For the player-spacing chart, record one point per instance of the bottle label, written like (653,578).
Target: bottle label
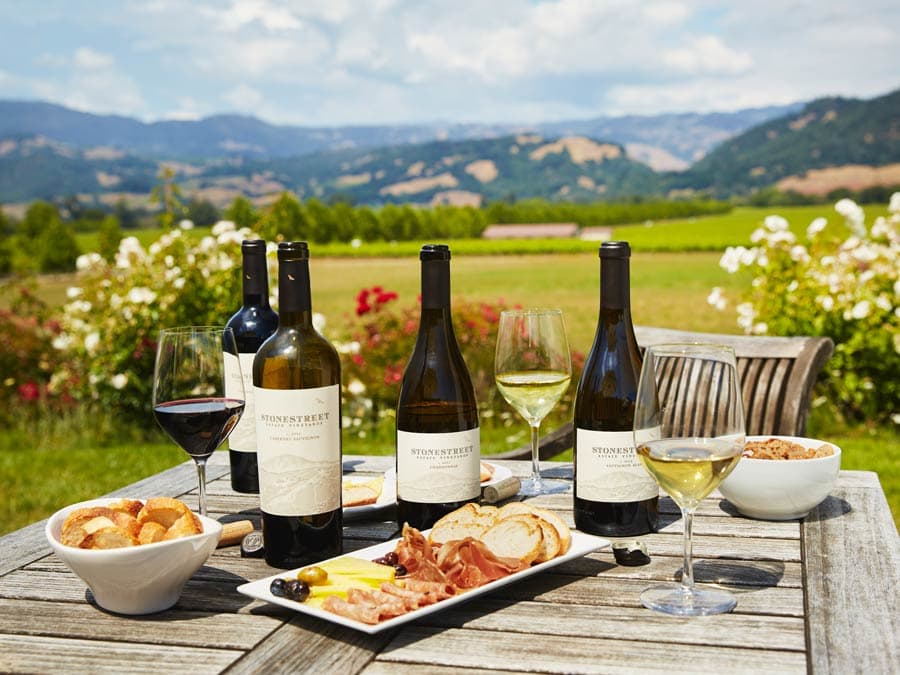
(436,468)
(298,434)
(608,468)
(243,437)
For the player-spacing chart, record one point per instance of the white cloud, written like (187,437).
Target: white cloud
(89,59)
(188,109)
(707,54)
(244,97)
(243,13)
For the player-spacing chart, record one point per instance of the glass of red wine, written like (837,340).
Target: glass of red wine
(189,400)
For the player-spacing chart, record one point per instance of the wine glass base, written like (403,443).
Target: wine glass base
(544,486)
(675,599)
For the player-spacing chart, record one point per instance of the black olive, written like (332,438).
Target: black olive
(296,590)
(391,558)
(400,570)
(380,561)
(277,587)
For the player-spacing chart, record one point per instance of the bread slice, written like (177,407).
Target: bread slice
(470,520)
(562,530)
(163,510)
(361,493)
(519,537)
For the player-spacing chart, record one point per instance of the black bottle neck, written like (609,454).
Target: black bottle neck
(255,277)
(436,285)
(294,303)
(615,286)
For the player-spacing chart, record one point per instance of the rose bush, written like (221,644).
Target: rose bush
(107,342)
(840,281)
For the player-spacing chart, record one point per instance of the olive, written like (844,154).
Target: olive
(313,576)
(391,558)
(400,570)
(296,590)
(276,588)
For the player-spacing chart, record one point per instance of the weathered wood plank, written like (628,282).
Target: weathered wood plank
(307,645)
(221,631)
(851,564)
(38,654)
(726,630)
(589,654)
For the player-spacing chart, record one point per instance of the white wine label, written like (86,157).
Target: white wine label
(608,468)
(436,468)
(298,439)
(243,437)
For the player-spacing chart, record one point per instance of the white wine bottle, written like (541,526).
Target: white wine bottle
(438,441)
(614,495)
(252,324)
(296,382)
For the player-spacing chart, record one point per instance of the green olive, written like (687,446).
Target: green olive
(313,576)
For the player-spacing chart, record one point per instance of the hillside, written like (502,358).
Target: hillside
(829,132)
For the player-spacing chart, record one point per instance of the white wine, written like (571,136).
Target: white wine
(438,441)
(296,378)
(533,393)
(614,495)
(689,469)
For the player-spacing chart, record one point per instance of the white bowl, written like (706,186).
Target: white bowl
(135,579)
(781,489)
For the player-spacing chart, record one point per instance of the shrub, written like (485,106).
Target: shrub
(842,282)
(107,345)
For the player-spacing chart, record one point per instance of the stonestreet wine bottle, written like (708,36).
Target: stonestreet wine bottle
(296,382)
(438,441)
(614,495)
(252,324)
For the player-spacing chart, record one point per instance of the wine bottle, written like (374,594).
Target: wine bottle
(614,495)
(252,324)
(438,442)
(296,382)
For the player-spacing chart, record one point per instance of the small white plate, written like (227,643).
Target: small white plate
(582,544)
(388,496)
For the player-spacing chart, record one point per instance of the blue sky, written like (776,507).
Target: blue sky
(336,62)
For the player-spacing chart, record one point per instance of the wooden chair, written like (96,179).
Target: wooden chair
(777,377)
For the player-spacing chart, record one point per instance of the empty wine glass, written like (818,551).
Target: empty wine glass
(532,368)
(689,434)
(189,399)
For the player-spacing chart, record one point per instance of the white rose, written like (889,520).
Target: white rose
(119,381)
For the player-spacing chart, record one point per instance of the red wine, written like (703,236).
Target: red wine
(199,425)
(252,324)
(438,444)
(296,381)
(614,495)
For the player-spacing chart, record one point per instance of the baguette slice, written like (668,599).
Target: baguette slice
(470,520)
(565,534)
(519,537)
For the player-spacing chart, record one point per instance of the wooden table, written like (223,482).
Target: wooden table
(814,596)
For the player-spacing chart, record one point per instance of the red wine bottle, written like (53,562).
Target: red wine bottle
(297,386)
(252,324)
(614,495)
(438,442)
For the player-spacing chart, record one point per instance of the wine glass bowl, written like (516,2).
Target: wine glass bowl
(190,402)
(689,434)
(532,369)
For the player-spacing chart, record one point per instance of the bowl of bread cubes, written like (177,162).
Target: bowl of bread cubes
(782,477)
(134,555)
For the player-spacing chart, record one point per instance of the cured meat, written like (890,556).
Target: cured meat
(468,563)
(417,556)
(438,589)
(364,613)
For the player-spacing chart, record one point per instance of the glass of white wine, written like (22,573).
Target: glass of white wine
(689,434)
(532,368)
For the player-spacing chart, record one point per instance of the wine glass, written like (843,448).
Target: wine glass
(189,399)
(532,369)
(689,434)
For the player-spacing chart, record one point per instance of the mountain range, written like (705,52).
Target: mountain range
(48,151)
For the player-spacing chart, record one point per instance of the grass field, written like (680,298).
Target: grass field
(44,468)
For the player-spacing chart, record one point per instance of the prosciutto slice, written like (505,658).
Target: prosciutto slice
(468,563)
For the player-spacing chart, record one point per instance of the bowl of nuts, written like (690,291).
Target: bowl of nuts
(134,555)
(782,477)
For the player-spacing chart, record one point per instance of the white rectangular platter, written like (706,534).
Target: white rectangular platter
(582,544)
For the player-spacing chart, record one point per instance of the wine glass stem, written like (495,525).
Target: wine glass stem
(535,454)
(687,572)
(201,475)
